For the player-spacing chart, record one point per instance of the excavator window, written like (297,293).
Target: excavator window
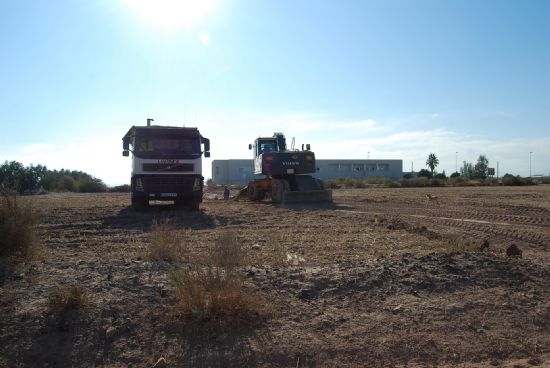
(267,146)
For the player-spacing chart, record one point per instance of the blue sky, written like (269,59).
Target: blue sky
(385,79)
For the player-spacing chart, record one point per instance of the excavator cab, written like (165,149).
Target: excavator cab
(263,145)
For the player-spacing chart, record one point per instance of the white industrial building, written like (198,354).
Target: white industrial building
(242,171)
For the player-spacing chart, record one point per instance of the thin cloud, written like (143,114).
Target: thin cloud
(37,148)
(413,148)
(368,125)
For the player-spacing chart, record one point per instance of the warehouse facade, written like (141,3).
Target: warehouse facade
(240,172)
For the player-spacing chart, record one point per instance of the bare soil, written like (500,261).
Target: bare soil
(380,278)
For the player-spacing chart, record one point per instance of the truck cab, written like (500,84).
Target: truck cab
(166,164)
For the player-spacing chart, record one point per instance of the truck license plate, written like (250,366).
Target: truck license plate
(290,171)
(168,194)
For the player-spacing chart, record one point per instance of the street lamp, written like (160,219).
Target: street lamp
(368,154)
(530,154)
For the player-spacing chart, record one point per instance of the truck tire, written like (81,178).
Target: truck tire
(194,204)
(140,203)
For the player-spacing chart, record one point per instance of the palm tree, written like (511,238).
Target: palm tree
(432,162)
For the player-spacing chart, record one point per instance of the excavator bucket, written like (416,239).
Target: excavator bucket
(307,196)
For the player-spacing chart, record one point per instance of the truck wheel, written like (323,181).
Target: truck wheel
(140,203)
(194,204)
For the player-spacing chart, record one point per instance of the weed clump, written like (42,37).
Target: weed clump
(63,299)
(166,244)
(17,227)
(214,289)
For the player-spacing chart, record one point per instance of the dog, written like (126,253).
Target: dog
(431,198)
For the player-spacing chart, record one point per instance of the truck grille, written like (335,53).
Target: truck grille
(168,184)
(168,167)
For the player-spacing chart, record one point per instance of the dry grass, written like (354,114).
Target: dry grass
(17,227)
(62,299)
(227,252)
(215,290)
(167,244)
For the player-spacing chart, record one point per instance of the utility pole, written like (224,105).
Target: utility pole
(456,161)
(497,169)
(530,154)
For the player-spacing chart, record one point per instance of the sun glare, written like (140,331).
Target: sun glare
(171,14)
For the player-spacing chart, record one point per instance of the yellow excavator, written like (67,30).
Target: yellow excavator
(285,173)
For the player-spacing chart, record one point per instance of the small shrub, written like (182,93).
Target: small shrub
(516,181)
(166,244)
(63,299)
(415,182)
(17,227)
(210,184)
(215,289)
(437,183)
(394,184)
(227,252)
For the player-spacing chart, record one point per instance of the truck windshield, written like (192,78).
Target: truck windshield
(160,146)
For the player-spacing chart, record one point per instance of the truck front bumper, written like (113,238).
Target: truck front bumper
(167,187)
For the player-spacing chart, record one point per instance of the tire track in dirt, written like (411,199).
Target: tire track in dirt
(520,228)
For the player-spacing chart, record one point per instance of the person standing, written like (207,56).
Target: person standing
(225,192)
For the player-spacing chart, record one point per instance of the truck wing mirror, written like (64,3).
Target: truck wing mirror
(125,153)
(207,154)
(206,143)
(249,146)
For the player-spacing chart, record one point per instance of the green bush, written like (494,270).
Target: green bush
(92,185)
(415,182)
(516,181)
(124,188)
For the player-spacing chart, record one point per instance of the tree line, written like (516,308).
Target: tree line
(479,170)
(33,179)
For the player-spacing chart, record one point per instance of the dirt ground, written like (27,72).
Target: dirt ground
(380,278)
